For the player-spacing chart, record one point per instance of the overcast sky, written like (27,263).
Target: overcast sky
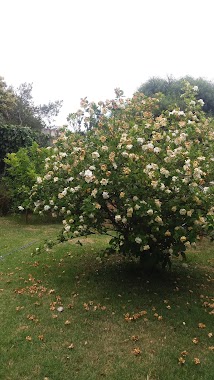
(75,48)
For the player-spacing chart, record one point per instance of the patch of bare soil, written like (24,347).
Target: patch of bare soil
(84,240)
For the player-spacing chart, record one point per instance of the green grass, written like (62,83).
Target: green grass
(96,296)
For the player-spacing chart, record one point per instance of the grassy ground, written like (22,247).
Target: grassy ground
(69,315)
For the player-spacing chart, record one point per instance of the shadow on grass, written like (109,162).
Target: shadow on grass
(115,275)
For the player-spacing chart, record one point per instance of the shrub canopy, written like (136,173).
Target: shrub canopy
(150,178)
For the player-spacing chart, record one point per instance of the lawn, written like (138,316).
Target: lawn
(69,314)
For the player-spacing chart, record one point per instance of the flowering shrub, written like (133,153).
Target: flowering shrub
(151,178)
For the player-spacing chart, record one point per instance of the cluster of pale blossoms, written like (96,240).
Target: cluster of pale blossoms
(150,178)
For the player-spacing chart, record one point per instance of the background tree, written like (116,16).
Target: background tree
(172,89)
(17,107)
(7,101)
(21,121)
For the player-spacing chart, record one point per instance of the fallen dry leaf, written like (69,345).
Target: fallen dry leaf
(18,308)
(135,316)
(32,318)
(67,322)
(86,307)
(184,353)
(201,325)
(197,361)
(35,264)
(195,340)
(135,338)
(210,335)
(181,360)
(28,338)
(136,351)
(71,346)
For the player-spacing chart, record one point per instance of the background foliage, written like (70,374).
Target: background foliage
(21,121)
(172,90)
(22,169)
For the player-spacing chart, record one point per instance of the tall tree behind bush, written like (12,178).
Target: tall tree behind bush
(21,121)
(172,89)
(17,107)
